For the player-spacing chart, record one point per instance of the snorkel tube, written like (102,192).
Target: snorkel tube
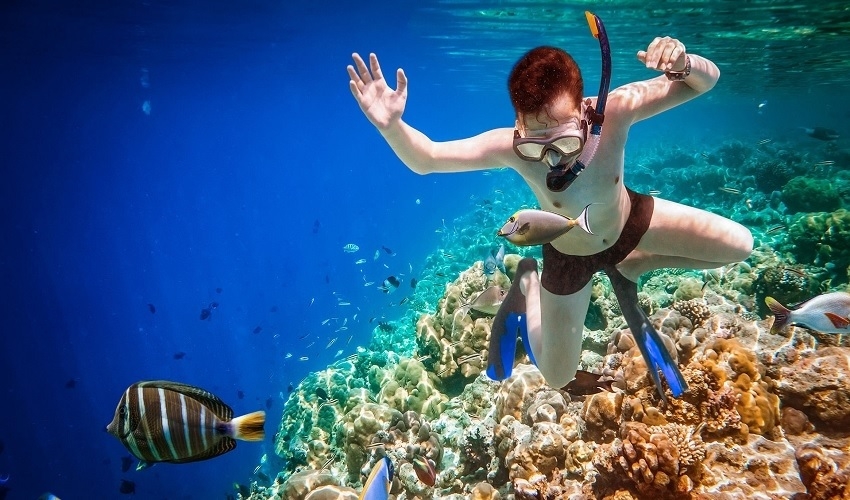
(560,178)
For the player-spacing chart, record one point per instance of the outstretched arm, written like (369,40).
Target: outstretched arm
(640,100)
(384,107)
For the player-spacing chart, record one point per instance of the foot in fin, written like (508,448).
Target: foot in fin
(501,365)
(657,358)
(509,323)
(648,340)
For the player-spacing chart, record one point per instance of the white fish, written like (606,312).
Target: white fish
(288,355)
(341,329)
(826,313)
(369,283)
(377,254)
(330,343)
(350,248)
(536,227)
(325,322)
(303,358)
(311,301)
(344,304)
(360,261)
(338,353)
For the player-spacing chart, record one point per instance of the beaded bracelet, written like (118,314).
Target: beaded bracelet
(678,76)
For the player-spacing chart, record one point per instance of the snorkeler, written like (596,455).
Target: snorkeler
(556,135)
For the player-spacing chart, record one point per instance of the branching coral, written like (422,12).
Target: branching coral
(696,310)
(657,460)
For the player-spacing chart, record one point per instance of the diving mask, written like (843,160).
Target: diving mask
(555,146)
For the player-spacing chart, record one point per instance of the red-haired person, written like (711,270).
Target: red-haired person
(631,233)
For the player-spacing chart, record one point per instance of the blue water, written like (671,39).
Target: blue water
(251,171)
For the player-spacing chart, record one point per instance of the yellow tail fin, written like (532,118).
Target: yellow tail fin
(249,427)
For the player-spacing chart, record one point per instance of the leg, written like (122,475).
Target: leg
(687,237)
(555,326)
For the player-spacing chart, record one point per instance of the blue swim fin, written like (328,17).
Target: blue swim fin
(523,333)
(647,339)
(657,358)
(501,366)
(509,324)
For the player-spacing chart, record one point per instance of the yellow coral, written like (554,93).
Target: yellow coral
(736,368)
(411,387)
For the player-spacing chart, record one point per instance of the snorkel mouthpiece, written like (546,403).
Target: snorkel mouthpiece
(559,179)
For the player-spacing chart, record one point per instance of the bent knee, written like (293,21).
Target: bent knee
(742,244)
(557,376)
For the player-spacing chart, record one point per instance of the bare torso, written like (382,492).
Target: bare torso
(600,184)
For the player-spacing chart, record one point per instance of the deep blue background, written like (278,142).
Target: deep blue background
(253,136)
(252,171)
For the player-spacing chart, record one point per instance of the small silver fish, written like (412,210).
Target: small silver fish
(536,227)
(486,302)
(495,260)
(350,248)
(826,313)
(489,300)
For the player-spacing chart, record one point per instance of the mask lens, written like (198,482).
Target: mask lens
(529,151)
(567,145)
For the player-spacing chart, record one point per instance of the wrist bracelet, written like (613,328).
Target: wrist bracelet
(678,76)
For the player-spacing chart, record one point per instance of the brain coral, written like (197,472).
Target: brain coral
(806,194)
(411,387)
(454,340)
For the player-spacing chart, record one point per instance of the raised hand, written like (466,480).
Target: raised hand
(664,54)
(381,105)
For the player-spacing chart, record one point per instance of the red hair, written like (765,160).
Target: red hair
(540,76)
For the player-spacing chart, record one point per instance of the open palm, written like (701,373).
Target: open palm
(381,105)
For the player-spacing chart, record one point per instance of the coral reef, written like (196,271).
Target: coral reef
(822,239)
(806,194)
(453,340)
(765,416)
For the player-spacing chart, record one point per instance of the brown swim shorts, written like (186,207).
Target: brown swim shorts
(567,274)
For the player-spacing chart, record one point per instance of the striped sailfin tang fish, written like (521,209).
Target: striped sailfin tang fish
(162,421)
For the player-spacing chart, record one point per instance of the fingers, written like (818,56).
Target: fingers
(355,90)
(663,54)
(401,80)
(362,70)
(376,67)
(356,84)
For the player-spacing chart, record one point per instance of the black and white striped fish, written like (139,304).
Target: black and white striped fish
(162,421)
